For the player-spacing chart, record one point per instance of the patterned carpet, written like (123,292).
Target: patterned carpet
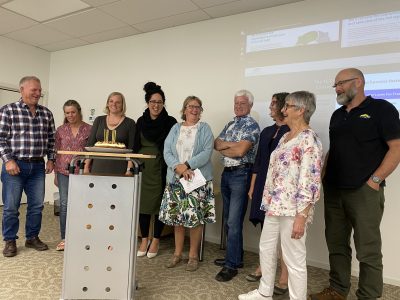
(38,275)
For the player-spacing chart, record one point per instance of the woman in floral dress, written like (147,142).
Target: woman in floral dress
(188,146)
(291,190)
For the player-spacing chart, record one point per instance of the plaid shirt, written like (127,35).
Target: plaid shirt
(23,135)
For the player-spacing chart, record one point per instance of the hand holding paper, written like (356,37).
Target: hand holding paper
(197,181)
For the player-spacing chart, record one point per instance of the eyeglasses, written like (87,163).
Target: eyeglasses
(286,106)
(156,102)
(341,82)
(193,107)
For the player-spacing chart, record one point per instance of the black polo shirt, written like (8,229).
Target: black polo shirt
(358,141)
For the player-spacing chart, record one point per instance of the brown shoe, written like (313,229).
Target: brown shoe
(36,244)
(10,249)
(193,264)
(327,294)
(174,261)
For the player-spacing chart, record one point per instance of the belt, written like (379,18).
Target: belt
(31,159)
(234,168)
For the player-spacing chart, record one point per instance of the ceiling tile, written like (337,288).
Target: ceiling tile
(38,35)
(42,10)
(208,3)
(85,23)
(137,11)
(96,3)
(64,45)
(110,34)
(181,19)
(243,6)
(10,21)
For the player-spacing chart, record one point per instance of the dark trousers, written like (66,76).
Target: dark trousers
(144,222)
(360,210)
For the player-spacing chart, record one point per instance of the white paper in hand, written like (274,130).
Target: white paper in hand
(197,181)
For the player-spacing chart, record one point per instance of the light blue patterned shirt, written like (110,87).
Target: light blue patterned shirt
(241,128)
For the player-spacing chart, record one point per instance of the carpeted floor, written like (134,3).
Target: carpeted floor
(38,275)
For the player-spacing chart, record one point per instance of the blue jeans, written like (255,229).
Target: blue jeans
(31,181)
(234,188)
(63,181)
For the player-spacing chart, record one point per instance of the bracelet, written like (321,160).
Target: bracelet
(303,214)
(187,165)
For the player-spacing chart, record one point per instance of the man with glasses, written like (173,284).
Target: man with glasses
(364,150)
(237,143)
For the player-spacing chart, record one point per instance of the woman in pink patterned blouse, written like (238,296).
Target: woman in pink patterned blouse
(291,190)
(71,136)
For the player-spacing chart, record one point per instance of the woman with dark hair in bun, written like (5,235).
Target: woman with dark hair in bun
(152,129)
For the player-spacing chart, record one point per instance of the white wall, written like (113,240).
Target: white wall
(204,59)
(18,60)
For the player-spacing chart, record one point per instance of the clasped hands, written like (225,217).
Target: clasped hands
(183,171)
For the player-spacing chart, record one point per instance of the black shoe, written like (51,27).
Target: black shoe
(226,274)
(36,244)
(10,249)
(220,262)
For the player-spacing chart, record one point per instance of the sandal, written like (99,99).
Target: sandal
(60,246)
(174,261)
(193,264)
(280,289)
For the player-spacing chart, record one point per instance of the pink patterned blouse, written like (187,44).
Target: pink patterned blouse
(294,176)
(66,141)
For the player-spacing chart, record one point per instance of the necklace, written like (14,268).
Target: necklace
(114,124)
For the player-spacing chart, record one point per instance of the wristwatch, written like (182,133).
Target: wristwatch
(376,179)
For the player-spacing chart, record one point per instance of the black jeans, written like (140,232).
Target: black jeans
(144,222)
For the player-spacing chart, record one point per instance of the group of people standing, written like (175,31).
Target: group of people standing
(280,170)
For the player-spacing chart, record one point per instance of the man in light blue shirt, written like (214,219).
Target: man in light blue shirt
(237,143)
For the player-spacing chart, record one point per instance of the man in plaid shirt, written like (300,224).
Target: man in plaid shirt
(26,136)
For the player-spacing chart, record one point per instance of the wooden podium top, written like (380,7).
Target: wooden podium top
(105,154)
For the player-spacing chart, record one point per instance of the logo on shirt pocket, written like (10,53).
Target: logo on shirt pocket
(365,116)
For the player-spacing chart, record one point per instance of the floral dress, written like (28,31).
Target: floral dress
(179,208)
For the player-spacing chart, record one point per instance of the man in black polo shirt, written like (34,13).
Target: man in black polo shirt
(364,150)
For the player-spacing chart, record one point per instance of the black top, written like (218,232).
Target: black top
(125,134)
(358,141)
(154,131)
(266,145)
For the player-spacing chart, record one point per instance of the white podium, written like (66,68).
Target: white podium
(101,240)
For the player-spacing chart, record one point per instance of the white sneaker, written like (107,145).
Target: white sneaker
(253,295)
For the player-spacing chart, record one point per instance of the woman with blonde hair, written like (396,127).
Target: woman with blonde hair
(188,146)
(124,128)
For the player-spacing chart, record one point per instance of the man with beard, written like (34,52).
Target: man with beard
(364,150)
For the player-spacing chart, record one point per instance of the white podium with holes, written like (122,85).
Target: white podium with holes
(100,249)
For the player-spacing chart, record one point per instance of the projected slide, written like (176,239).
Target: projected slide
(380,71)
(384,86)
(300,36)
(373,29)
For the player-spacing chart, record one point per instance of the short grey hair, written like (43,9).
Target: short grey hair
(306,100)
(247,94)
(28,78)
